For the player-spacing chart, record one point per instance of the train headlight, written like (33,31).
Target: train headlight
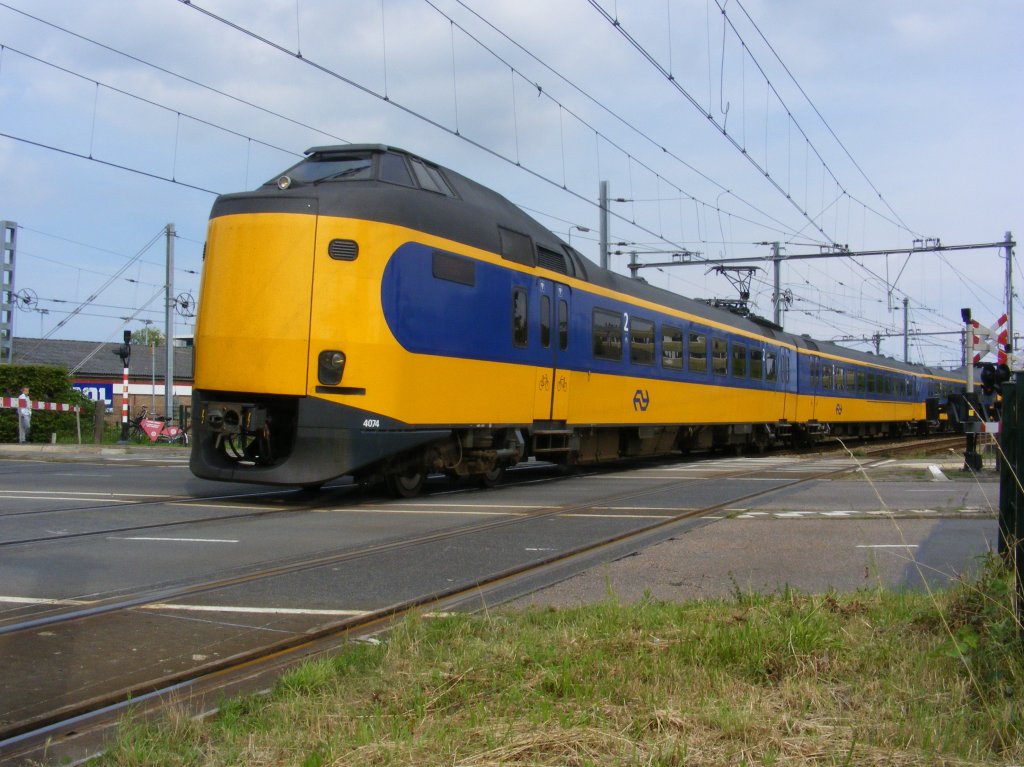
(284,182)
(331,365)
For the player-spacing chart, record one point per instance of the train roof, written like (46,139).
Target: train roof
(466,211)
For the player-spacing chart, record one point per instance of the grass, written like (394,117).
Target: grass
(784,679)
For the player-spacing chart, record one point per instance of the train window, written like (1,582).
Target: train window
(851,380)
(815,371)
(519,315)
(826,375)
(326,166)
(840,378)
(698,353)
(563,325)
(394,170)
(671,347)
(516,247)
(430,178)
(871,383)
(719,356)
(771,370)
(545,321)
(641,342)
(607,335)
(860,381)
(757,364)
(739,360)
(454,268)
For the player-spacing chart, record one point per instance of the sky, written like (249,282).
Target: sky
(721,126)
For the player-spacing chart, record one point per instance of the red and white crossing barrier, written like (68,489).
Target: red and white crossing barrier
(60,407)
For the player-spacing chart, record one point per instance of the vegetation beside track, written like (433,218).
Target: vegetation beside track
(786,679)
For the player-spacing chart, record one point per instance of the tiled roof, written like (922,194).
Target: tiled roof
(91,359)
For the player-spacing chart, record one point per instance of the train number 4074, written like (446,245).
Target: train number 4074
(371,423)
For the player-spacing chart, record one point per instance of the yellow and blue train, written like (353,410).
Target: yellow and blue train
(370,313)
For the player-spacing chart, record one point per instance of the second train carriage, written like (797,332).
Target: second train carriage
(371,313)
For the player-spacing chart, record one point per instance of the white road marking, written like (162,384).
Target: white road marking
(618,516)
(937,473)
(172,540)
(60,498)
(44,601)
(84,493)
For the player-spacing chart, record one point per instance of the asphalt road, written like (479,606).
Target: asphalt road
(81,526)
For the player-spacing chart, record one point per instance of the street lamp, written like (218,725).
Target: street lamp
(578,228)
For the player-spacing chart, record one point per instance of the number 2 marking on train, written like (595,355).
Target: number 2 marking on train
(625,321)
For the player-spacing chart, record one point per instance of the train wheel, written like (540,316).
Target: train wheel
(492,477)
(407,484)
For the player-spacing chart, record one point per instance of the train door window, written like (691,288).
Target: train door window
(641,342)
(771,366)
(671,347)
(516,247)
(815,371)
(519,317)
(784,359)
(697,351)
(607,335)
(545,321)
(719,356)
(826,375)
(563,324)
(756,364)
(739,360)
(394,170)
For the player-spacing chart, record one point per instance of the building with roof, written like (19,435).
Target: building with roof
(96,370)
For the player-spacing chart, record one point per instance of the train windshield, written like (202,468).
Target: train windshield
(326,167)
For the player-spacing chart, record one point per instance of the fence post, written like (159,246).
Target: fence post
(98,421)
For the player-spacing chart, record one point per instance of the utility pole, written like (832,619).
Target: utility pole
(1008,244)
(169,326)
(9,242)
(906,331)
(777,294)
(603,204)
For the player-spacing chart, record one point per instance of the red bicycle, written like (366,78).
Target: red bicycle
(156,429)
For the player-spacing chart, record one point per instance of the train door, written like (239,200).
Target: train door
(551,396)
(787,370)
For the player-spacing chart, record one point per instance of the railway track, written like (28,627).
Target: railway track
(91,708)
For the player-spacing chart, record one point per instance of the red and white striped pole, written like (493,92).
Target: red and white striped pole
(125,353)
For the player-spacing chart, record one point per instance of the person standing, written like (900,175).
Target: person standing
(24,415)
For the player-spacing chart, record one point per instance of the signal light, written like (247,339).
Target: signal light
(993,377)
(330,367)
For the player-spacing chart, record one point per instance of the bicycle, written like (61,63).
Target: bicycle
(156,429)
